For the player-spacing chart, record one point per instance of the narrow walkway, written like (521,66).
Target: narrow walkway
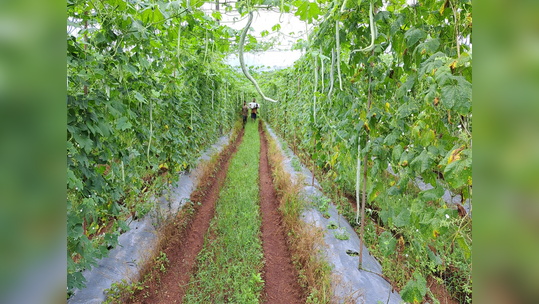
(229,266)
(279,272)
(183,251)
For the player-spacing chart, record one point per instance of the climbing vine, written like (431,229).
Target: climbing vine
(147,91)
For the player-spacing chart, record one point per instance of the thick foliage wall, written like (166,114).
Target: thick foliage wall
(147,89)
(419,88)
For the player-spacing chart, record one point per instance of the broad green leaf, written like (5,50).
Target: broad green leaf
(457,95)
(430,46)
(403,219)
(413,35)
(375,190)
(391,139)
(139,97)
(84,142)
(415,290)
(422,162)
(433,63)
(123,124)
(458,173)
(387,243)
(432,194)
(386,215)
(434,257)
(464,246)
(397,153)
(216,15)
(73,181)
(427,137)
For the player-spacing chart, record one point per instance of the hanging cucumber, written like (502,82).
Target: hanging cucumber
(374,33)
(338,52)
(322,61)
(242,61)
(331,74)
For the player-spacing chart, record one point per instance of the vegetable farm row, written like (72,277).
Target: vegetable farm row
(403,100)
(145,96)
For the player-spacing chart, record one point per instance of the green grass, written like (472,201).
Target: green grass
(230,263)
(296,164)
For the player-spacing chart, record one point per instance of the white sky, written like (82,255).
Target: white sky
(292,29)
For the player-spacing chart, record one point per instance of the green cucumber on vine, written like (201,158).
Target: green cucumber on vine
(242,61)
(374,32)
(338,51)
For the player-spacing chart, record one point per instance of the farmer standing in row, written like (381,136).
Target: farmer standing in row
(244,112)
(253,111)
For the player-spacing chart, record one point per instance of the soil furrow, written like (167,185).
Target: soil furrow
(182,252)
(280,275)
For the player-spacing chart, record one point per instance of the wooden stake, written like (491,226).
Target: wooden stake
(312,184)
(361,239)
(295,141)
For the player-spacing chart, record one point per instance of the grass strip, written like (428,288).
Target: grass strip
(230,263)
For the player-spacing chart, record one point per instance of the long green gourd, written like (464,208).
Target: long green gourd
(151,133)
(331,74)
(322,61)
(374,33)
(242,62)
(206,47)
(338,52)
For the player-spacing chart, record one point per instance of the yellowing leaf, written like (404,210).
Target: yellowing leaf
(455,155)
(442,9)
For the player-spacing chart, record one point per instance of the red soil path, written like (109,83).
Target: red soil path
(280,276)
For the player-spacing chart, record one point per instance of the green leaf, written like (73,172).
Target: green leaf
(139,97)
(307,10)
(458,173)
(397,153)
(387,243)
(84,142)
(464,246)
(434,257)
(429,65)
(73,181)
(375,190)
(457,95)
(422,162)
(386,215)
(403,219)
(75,231)
(430,46)
(197,3)
(432,194)
(276,27)
(427,137)
(216,15)
(413,35)
(123,124)
(415,290)
(391,139)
